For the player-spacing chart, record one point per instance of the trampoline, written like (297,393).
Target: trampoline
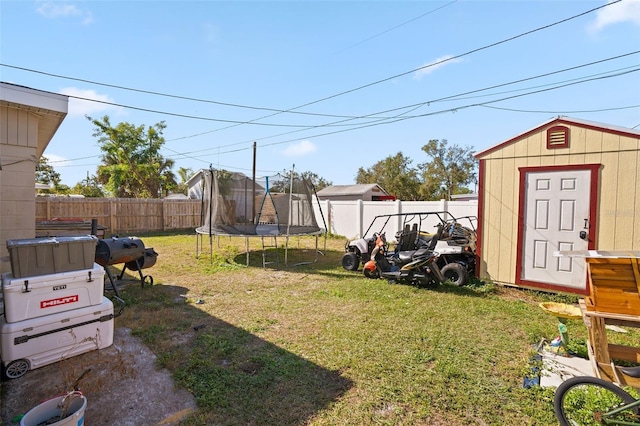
(234,205)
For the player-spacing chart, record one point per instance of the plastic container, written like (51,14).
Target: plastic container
(44,256)
(36,342)
(72,406)
(32,297)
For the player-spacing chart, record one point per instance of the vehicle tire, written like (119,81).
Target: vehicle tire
(583,400)
(147,280)
(350,261)
(16,368)
(428,283)
(371,273)
(455,273)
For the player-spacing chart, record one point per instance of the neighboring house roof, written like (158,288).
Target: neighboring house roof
(50,107)
(593,125)
(357,189)
(464,197)
(176,197)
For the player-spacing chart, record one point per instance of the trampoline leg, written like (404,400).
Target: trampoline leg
(246,244)
(286,251)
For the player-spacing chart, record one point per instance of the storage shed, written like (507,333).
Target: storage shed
(565,185)
(28,120)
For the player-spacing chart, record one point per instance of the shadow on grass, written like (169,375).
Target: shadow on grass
(235,376)
(328,264)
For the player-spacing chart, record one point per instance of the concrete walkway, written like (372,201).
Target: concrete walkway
(558,368)
(121,383)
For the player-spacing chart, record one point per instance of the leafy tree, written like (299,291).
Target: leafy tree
(448,172)
(46,174)
(184,173)
(282,185)
(395,175)
(132,163)
(225,181)
(318,182)
(89,187)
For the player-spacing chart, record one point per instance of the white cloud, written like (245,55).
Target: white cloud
(54,158)
(56,10)
(84,107)
(211,33)
(300,149)
(430,67)
(625,11)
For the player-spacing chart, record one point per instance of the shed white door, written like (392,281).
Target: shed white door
(557,210)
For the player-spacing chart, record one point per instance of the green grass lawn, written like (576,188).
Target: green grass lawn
(315,344)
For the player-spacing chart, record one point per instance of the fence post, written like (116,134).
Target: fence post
(398,208)
(164,218)
(48,209)
(443,205)
(112,217)
(360,212)
(327,209)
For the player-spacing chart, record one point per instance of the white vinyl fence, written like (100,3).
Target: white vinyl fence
(351,219)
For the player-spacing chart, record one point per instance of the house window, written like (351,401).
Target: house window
(558,137)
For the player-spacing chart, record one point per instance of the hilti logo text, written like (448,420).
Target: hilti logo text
(59,301)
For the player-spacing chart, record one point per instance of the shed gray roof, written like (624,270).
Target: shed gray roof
(357,189)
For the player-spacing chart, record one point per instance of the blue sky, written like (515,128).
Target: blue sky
(329,86)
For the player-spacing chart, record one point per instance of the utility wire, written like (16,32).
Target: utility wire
(293,110)
(397,26)
(450,110)
(443,60)
(409,108)
(377,116)
(555,112)
(380,81)
(413,108)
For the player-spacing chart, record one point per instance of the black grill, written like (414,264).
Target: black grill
(128,250)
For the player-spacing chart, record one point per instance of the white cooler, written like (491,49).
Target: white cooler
(40,341)
(37,296)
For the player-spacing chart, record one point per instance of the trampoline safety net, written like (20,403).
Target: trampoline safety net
(232,204)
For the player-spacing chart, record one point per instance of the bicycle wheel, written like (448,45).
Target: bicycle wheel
(583,401)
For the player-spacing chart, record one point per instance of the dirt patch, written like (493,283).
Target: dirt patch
(121,383)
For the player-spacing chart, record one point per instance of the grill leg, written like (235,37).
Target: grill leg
(113,284)
(122,272)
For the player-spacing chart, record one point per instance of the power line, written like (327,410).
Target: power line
(293,110)
(413,108)
(409,108)
(450,110)
(445,60)
(556,112)
(377,115)
(381,120)
(397,26)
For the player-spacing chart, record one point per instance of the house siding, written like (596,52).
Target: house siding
(18,143)
(28,120)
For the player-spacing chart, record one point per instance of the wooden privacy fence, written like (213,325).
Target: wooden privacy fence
(123,215)
(132,215)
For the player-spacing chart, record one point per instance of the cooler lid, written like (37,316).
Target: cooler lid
(28,242)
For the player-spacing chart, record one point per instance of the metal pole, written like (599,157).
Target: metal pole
(253,198)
